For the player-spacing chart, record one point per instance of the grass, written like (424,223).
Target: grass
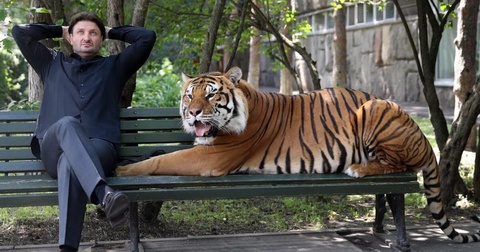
(271,214)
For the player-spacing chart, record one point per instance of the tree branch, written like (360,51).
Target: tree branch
(241,28)
(262,23)
(209,45)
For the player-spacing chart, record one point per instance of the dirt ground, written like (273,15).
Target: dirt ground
(96,227)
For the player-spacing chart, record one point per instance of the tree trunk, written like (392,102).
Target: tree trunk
(465,52)
(464,81)
(35,85)
(340,49)
(254,59)
(138,19)
(115,17)
(254,56)
(140,12)
(451,155)
(209,44)
(476,172)
(285,77)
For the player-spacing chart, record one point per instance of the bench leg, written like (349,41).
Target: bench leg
(134,234)
(397,205)
(380,210)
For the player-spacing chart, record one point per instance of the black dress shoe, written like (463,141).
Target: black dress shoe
(116,206)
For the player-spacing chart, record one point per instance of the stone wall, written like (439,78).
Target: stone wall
(380,61)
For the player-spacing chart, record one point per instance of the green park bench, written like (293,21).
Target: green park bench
(23,181)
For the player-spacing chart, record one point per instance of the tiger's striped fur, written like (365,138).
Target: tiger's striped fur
(333,130)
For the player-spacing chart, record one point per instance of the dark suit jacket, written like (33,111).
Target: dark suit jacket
(87,89)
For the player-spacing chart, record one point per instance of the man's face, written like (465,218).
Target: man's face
(86,39)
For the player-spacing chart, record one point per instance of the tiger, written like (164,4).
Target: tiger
(333,130)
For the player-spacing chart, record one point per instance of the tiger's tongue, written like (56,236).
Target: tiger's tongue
(202,129)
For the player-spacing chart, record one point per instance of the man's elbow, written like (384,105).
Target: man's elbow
(152,37)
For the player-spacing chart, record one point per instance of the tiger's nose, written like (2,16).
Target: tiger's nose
(195,112)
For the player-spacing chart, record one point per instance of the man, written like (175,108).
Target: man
(78,128)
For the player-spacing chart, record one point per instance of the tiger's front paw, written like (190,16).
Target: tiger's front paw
(355,170)
(126,170)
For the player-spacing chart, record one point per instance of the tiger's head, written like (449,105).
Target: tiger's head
(213,103)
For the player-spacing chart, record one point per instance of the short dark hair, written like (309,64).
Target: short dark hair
(87,16)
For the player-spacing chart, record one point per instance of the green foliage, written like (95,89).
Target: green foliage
(338,4)
(23,104)
(158,88)
(13,80)
(182,26)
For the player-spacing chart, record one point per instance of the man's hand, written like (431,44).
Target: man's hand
(65,34)
(107,29)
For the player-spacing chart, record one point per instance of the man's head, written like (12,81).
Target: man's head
(87,33)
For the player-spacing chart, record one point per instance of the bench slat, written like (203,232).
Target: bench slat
(172,124)
(157,137)
(24,200)
(150,113)
(229,180)
(204,193)
(19,115)
(43,183)
(17,154)
(269,191)
(16,127)
(22,166)
(135,151)
(15,141)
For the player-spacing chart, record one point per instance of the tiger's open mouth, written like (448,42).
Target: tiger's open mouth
(204,129)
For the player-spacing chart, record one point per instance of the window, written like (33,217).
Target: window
(446,56)
(319,22)
(360,8)
(356,14)
(350,15)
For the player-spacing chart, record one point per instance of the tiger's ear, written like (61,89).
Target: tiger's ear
(185,77)
(234,75)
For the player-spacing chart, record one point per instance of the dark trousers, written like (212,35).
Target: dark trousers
(79,163)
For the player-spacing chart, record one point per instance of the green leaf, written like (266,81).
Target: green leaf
(3,14)
(59,22)
(7,43)
(40,10)
(444,6)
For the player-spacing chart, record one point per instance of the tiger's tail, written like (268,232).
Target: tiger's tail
(390,135)
(431,177)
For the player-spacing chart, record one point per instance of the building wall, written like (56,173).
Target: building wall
(380,61)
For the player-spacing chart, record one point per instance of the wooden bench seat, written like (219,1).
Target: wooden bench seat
(23,181)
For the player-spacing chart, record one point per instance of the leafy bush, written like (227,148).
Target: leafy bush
(13,81)
(24,104)
(158,88)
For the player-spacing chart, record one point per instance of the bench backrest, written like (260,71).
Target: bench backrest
(143,130)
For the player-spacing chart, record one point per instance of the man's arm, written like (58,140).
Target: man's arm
(141,43)
(27,38)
